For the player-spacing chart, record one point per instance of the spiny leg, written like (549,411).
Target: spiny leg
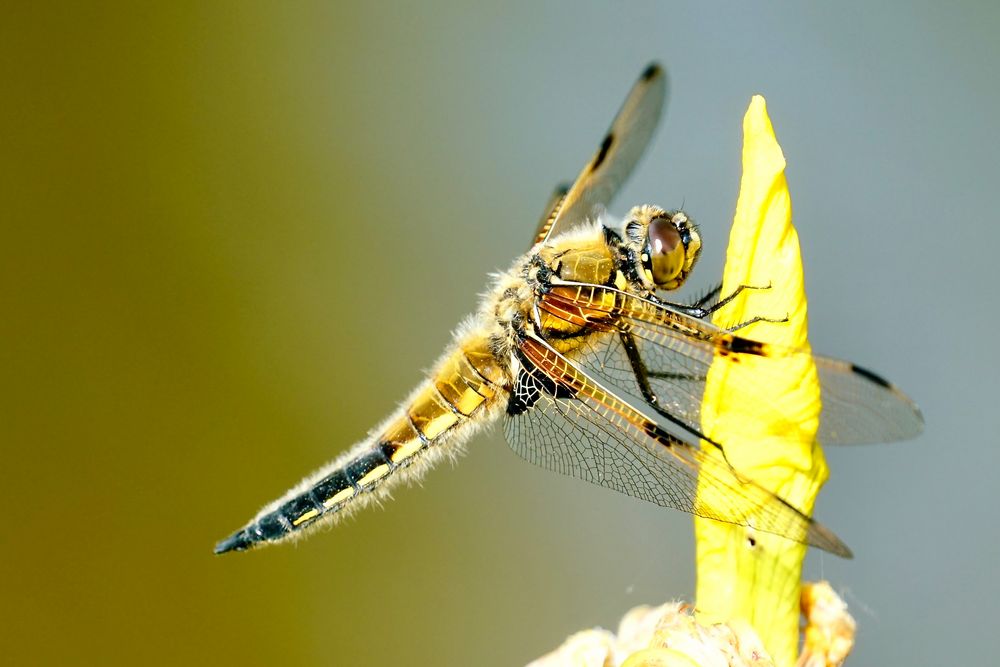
(698,309)
(643,374)
(732,295)
(722,302)
(758,318)
(707,296)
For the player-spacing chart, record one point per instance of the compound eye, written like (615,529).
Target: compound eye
(667,250)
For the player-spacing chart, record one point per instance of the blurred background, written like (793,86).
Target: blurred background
(233,236)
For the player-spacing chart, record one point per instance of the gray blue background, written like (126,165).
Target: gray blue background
(233,235)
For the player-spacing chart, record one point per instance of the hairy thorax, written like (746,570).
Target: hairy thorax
(510,313)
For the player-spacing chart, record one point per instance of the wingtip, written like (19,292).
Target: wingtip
(824,538)
(907,426)
(652,71)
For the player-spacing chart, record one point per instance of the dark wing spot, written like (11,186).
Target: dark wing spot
(529,387)
(746,346)
(652,71)
(553,388)
(868,375)
(524,395)
(602,154)
(656,433)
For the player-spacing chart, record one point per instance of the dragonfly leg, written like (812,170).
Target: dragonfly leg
(708,296)
(758,318)
(732,295)
(690,377)
(698,308)
(643,374)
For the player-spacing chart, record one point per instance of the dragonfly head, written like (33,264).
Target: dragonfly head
(666,243)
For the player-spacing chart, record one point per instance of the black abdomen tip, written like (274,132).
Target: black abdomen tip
(651,71)
(238,541)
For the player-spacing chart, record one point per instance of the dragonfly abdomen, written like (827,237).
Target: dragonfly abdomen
(435,421)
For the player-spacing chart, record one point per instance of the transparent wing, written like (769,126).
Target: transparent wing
(551,211)
(616,157)
(674,351)
(561,419)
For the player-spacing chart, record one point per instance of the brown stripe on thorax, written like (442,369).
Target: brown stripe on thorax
(577,306)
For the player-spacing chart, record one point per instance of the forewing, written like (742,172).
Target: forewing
(616,156)
(563,420)
(551,211)
(677,350)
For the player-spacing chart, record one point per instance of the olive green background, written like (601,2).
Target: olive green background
(233,235)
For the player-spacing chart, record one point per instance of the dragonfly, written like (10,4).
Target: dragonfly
(593,373)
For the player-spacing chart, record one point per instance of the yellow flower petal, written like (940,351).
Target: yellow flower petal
(659,657)
(829,633)
(759,583)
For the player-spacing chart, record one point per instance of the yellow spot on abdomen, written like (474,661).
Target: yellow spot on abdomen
(430,414)
(437,425)
(339,497)
(374,475)
(406,451)
(305,517)
(458,383)
(402,437)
